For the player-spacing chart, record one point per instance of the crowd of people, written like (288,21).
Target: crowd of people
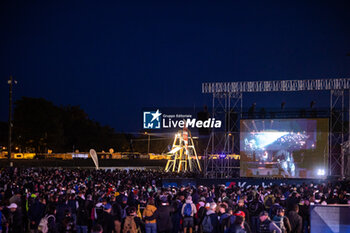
(91,201)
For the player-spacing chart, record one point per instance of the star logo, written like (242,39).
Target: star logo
(156,115)
(151,120)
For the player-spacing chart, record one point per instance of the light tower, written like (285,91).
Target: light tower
(183,154)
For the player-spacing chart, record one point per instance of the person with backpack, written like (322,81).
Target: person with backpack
(282,221)
(188,211)
(266,225)
(269,200)
(48,222)
(132,223)
(150,225)
(275,207)
(210,222)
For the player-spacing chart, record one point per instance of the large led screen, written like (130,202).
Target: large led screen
(291,148)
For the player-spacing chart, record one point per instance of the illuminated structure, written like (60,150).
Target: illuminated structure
(183,154)
(227,105)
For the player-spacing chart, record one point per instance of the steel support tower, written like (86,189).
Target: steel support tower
(227,104)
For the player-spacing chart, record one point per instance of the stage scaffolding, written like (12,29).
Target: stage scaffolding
(227,102)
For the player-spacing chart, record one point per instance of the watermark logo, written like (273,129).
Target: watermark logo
(165,120)
(152,120)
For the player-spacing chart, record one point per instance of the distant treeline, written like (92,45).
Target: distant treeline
(39,126)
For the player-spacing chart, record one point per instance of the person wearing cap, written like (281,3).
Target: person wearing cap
(124,205)
(266,225)
(245,225)
(107,222)
(14,219)
(16,198)
(188,211)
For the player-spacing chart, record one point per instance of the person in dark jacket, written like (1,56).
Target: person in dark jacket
(82,214)
(107,219)
(176,216)
(245,223)
(213,219)
(36,212)
(266,225)
(296,222)
(238,225)
(163,217)
(90,212)
(304,212)
(241,207)
(117,213)
(224,218)
(255,208)
(72,203)
(67,225)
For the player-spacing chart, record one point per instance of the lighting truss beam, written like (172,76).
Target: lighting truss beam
(277,85)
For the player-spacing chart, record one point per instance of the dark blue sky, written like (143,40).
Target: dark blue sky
(114,58)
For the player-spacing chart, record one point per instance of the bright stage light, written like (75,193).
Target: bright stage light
(222,156)
(321,172)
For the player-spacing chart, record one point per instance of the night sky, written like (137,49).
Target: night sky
(114,58)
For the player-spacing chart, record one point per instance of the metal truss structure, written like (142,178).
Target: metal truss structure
(183,154)
(227,105)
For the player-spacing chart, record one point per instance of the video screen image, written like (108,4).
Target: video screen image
(293,148)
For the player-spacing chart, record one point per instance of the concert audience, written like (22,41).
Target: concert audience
(85,201)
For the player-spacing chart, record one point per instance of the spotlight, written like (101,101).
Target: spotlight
(321,172)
